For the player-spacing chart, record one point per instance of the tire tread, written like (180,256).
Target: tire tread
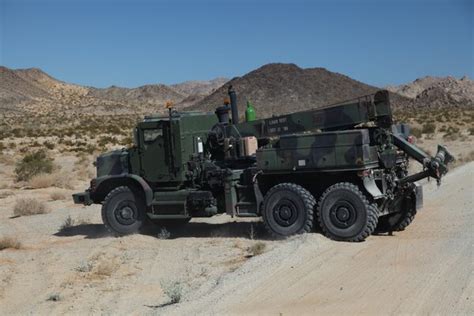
(308,200)
(372,213)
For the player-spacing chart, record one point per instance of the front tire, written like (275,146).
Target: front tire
(123,212)
(288,210)
(345,214)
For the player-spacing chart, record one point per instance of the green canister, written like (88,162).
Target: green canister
(250,114)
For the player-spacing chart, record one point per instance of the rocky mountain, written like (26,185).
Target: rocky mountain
(35,91)
(272,88)
(438,91)
(16,88)
(149,94)
(199,87)
(282,88)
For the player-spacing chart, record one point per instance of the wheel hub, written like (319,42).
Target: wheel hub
(285,213)
(125,213)
(343,214)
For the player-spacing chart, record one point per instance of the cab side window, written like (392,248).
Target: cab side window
(150,135)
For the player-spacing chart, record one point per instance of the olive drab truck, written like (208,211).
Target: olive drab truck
(343,168)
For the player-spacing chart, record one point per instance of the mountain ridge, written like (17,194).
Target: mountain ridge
(274,88)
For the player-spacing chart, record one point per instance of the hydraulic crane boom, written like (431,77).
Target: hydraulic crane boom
(345,115)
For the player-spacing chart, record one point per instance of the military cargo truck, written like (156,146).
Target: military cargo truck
(343,168)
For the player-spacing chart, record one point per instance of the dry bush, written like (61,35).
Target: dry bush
(57,196)
(464,159)
(469,157)
(29,206)
(68,222)
(428,128)
(7,159)
(174,290)
(63,181)
(106,268)
(9,242)
(42,180)
(257,248)
(47,180)
(451,136)
(85,267)
(416,132)
(6,194)
(33,164)
(84,168)
(49,145)
(54,297)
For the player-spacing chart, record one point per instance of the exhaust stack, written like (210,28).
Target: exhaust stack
(233,105)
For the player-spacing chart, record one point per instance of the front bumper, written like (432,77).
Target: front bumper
(82,198)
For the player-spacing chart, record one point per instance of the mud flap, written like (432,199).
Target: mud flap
(371,187)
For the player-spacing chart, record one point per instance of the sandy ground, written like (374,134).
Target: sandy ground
(81,270)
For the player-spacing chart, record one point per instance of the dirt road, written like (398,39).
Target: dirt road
(81,270)
(426,269)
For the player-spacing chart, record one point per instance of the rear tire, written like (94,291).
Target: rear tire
(345,214)
(397,222)
(288,210)
(123,212)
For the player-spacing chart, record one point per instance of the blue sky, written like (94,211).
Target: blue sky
(131,43)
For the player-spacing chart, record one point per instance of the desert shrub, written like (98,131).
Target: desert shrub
(2,147)
(49,145)
(33,164)
(428,128)
(469,157)
(9,242)
(127,141)
(84,267)
(452,133)
(29,206)
(451,136)
(106,267)
(6,194)
(41,181)
(54,297)
(174,290)
(257,248)
(90,148)
(106,140)
(63,180)
(163,234)
(57,195)
(47,180)
(471,130)
(416,132)
(68,222)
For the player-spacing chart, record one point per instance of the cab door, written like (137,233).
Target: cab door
(154,151)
